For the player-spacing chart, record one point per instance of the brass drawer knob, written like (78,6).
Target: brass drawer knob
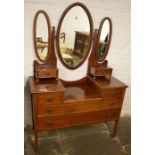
(113,93)
(111,103)
(50,110)
(49,99)
(109,115)
(49,122)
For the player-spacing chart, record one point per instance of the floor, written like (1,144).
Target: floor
(83,140)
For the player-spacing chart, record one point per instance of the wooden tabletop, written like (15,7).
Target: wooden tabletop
(73,90)
(45,85)
(80,93)
(102,82)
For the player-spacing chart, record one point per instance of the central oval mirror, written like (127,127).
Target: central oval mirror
(74,35)
(41,36)
(104,38)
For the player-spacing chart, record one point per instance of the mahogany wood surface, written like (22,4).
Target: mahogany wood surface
(76,108)
(45,85)
(70,108)
(48,123)
(59,104)
(105,83)
(79,92)
(46,73)
(100,71)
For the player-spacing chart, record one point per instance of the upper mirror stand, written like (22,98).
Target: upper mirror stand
(95,68)
(49,68)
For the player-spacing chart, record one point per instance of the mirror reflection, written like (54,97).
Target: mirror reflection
(104,40)
(74,36)
(42,37)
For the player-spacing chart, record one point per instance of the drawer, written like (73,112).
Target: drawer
(45,99)
(115,93)
(103,71)
(73,108)
(110,104)
(54,110)
(46,73)
(45,123)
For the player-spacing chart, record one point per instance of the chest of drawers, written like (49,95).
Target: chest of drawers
(59,104)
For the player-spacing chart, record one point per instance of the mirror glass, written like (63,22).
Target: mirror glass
(74,37)
(41,37)
(104,40)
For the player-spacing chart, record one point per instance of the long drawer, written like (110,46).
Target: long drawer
(44,123)
(77,107)
(70,108)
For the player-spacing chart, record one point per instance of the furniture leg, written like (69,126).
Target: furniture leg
(115,128)
(32,111)
(36,141)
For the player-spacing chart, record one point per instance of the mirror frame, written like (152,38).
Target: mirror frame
(59,28)
(99,34)
(49,33)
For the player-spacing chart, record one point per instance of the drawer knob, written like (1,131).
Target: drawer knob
(50,110)
(49,99)
(109,115)
(113,93)
(111,103)
(49,122)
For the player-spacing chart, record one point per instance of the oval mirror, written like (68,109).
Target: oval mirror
(74,35)
(41,30)
(104,38)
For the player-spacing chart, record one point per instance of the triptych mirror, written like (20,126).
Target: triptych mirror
(74,37)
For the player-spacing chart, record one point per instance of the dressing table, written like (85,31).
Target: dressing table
(98,97)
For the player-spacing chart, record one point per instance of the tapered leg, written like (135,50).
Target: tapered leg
(36,141)
(115,128)
(32,111)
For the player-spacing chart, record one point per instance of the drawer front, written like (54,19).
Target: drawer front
(69,108)
(46,73)
(104,72)
(46,99)
(110,104)
(45,123)
(112,94)
(53,110)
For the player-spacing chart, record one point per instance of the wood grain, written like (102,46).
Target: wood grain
(47,123)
